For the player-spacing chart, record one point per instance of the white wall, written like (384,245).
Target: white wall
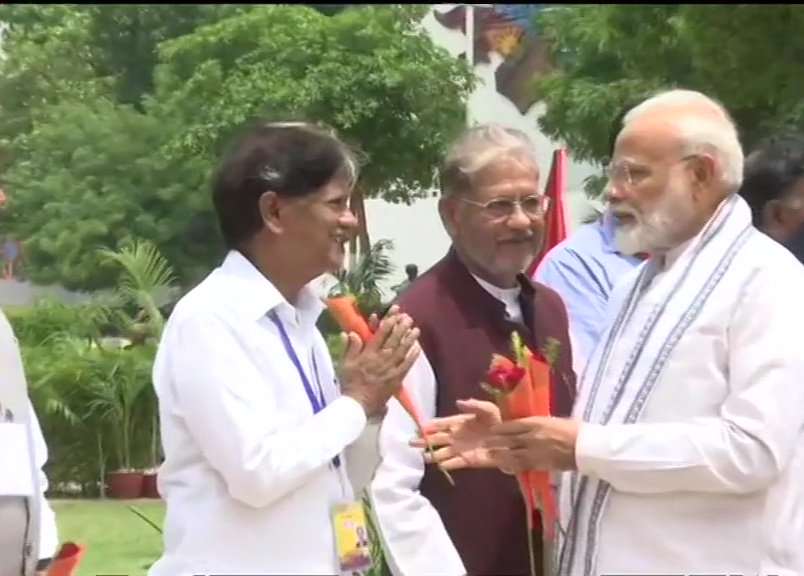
(416,230)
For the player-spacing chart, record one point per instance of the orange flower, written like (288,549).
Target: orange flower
(522,389)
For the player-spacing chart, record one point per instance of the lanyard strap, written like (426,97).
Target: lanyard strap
(317,402)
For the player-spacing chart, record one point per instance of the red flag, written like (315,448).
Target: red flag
(555,223)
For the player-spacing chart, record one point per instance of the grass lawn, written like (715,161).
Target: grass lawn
(118,542)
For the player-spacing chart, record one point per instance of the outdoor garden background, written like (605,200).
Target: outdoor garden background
(111,118)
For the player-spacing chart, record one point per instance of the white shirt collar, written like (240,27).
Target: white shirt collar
(503,294)
(256,295)
(508,296)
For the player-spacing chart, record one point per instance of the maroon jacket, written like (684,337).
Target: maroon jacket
(461,326)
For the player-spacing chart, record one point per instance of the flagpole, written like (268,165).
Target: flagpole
(470,50)
(470,45)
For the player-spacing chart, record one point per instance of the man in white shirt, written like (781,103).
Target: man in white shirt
(28,535)
(254,425)
(686,453)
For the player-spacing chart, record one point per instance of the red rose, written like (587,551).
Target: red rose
(505,379)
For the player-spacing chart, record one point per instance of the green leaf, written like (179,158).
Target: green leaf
(750,57)
(552,351)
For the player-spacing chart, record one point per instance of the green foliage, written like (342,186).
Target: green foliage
(119,140)
(147,281)
(336,346)
(94,396)
(90,400)
(116,540)
(750,57)
(34,325)
(34,72)
(371,73)
(362,281)
(380,567)
(125,38)
(115,382)
(364,278)
(90,179)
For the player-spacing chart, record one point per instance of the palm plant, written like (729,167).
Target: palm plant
(148,283)
(96,393)
(61,370)
(364,278)
(116,387)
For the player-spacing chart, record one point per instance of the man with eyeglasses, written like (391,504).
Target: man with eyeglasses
(466,307)
(685,452)
(584,269)
(267,445)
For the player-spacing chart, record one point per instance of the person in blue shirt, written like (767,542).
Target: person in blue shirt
(584,269)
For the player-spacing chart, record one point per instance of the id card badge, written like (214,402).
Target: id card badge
(351,538)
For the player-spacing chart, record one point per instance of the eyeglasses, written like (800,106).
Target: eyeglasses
(533,206)
(631,175)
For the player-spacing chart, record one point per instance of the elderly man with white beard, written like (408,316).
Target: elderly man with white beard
(684,454)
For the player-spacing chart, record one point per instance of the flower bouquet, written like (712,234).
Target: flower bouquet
(521,389)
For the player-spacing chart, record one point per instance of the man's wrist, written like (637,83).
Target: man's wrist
(568,432)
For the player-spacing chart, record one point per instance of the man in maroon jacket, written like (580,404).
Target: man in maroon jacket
(467,306)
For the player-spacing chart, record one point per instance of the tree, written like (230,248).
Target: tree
(34,70)
(148,284)
(99,154)
(750,57)
(82,170)
(372,73)
(89,175)
(113,43)
(125,38)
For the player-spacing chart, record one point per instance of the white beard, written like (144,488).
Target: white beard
(659,229)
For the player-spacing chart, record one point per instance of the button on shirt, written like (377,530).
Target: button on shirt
(248,475)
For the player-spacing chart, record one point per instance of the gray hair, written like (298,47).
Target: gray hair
(478,147)
(701,134)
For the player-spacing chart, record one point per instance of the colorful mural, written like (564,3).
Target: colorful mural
(509,30)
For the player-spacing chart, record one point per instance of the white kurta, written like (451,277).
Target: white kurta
(691,459)
(414,537)
(248,475)
(27,523)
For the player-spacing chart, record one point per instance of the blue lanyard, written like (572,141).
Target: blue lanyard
(317,402)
